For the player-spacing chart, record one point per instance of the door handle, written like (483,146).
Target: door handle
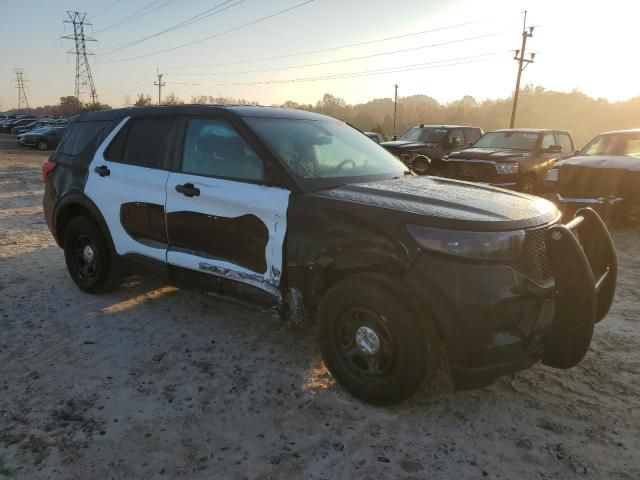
(188,190)
(103,171)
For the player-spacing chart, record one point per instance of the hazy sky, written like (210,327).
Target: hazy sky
(579,44)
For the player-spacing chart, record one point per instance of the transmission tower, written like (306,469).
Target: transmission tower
(22,94)
(84,79)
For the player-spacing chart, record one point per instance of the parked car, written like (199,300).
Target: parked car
(302,211)
(431,141)
(30,126)
(7,126)
(375,136)
(604,175)
(43,139)
(516,159)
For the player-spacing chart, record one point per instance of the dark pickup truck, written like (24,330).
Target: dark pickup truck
(431,141)
(516,159)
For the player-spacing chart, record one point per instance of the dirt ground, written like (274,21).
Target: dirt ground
(152,382)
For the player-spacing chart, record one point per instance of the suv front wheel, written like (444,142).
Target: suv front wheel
(88,258)
(372,341)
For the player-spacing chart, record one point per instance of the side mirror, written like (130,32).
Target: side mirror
(420,164)
(394,138)
(553,149)
(455,141)
(577,152)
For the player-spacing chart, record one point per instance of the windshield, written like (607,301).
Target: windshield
(614,144)
(325,153)
(509,140)
(428,135)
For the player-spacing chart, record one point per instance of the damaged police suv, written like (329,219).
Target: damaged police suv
(399,272)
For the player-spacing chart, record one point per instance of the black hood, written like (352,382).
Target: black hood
(493,154)
(406,145)
(617,162)
(451,203)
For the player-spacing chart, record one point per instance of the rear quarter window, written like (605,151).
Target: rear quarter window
(78,135)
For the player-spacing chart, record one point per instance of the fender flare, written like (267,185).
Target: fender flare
(77,198)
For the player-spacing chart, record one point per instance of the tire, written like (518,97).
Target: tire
(405,357)
(88,258)
(529,184)
(42,145)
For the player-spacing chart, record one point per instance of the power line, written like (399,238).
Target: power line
(329,49)
(350,59)
(136,15)
(108,7)
(83,70)
(213,36)
(362,73)
(185,23)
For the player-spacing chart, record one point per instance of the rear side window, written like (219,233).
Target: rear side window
(565,142)
(78,135)
(145,142)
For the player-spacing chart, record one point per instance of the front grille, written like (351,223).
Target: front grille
(576,181)
(471,171)
(533,261)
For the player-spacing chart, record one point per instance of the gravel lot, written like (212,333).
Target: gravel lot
(153,382)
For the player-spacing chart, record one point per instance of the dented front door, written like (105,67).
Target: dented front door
(220,220)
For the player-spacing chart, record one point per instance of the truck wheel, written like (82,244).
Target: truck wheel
(88,258)
(42,145)
(372,342)
(529,184)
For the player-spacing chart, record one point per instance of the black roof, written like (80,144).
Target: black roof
(445,126)
(238,110)
(530,130)
(620,132)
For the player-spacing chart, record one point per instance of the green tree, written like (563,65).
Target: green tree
(143,100)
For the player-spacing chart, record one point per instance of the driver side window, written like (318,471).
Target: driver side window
(213,148)
(548,140)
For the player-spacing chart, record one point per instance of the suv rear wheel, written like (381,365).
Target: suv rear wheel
(88,258)
(372,341)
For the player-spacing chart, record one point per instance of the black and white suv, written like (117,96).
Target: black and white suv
(306,212)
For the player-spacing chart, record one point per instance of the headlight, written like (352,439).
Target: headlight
(507,168)
(476,245)
(552,175)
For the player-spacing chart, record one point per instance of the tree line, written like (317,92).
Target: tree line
(582,115)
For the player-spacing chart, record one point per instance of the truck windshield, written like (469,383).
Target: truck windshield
(614,144)
(326,153)
(509,140)
(429,135)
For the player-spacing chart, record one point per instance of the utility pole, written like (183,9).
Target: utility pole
(84,79)
(160,84)
(522,64)
(22,95)
(395,110)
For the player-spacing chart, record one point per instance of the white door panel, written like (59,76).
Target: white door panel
(125,184)
(227,201)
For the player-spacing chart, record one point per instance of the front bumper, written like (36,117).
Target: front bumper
(604,206)
(495,320)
